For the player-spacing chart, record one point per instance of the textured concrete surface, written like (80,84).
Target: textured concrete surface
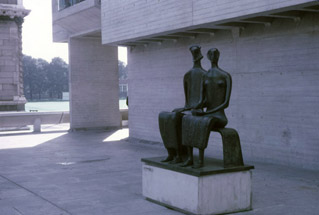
(94,84)
(273,63)
(79,19)
(129,19)
(274,102)
(98,173)
(209,194)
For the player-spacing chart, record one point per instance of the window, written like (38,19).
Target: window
(123,87)
(67,3)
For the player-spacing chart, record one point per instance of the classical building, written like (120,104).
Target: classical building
(271,49)
(12,97)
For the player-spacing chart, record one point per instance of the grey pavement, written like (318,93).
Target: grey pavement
(99,172)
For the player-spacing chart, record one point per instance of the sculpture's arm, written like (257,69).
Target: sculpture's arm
(225,104)
(179,109)
(201,102)
(185,85)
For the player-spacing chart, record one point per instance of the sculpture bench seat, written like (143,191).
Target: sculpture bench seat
(231,147)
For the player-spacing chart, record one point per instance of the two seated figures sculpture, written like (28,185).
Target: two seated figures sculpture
(207,94)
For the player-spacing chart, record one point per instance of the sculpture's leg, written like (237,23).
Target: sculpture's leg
(231,147)
(171,155)
(177,159)
(178,126)
(200,159)
(190,159)
(170,126)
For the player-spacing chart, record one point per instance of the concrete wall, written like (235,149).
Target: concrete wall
(123,20)
(93,84)
(79,19)
(275,98)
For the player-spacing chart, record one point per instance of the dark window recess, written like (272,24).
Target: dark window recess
(68,3)
(8,1)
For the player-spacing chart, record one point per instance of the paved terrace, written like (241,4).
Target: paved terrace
(99,172)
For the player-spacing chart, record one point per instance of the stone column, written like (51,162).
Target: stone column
(11,74)
(94,85)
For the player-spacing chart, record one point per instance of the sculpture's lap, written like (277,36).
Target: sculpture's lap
(170,128)
(196,131)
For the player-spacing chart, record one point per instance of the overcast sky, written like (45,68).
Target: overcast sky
(37,33)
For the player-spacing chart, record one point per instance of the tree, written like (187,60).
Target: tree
(41,77)
(29,68)
(59,78)
(122,71)
(43,80)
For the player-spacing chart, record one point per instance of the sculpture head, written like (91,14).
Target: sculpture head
(195,50)
(213,55)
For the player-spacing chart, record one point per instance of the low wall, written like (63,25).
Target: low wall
(15,119)
(124,114)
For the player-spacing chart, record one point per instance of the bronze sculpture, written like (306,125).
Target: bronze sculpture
(190,126)
(170,123)
(216,93)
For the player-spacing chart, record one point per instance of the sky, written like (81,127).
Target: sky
(37,34)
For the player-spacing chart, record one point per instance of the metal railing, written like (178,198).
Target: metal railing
(68,3)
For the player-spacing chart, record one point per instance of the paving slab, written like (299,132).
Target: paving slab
(100,172)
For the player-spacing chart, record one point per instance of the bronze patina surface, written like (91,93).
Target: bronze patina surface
(170,123)
(207,95)
(212,166)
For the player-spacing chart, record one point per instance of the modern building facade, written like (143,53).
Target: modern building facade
(271,49)
(123,89)
(12,97)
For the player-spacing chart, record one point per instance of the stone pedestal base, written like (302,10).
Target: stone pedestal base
(209,190)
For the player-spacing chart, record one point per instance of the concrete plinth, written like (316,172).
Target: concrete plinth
(209,190)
